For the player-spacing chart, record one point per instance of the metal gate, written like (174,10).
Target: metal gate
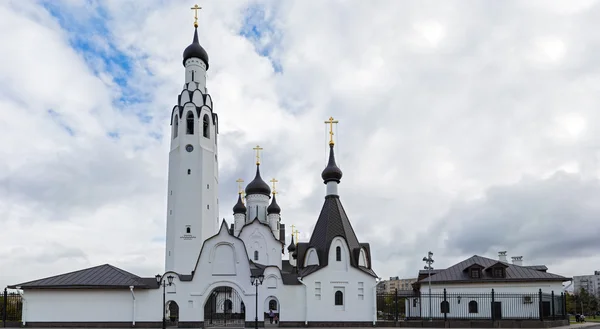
(224,308)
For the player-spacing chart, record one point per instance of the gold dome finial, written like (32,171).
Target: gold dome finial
(257,149)
(330,122)
(195,9)
(274,181)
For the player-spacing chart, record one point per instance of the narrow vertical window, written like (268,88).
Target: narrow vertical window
(189,171)
(190,123)
(188,230)
(339,298)
(192,75)
(255,254)
(176,126)
(205,126)
(338,253)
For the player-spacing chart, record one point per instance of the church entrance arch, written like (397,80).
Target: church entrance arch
(224,307)
(172,313)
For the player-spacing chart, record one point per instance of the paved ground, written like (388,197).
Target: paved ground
(587,325)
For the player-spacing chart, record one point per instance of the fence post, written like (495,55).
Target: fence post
(446,304)
(552,305)
(396,304)
(540,305)
(564,305)
(4,307)
(492,306)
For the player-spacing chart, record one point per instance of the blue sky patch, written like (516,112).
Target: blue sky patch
(259,28)
(57,118)
(89,34)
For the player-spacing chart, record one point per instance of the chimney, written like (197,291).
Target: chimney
(517,260)
(502,256)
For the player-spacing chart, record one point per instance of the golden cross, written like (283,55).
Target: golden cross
(240,181)
(274,181)
(293,228)
(331,122)
(257,149)
(297,236)
(195,9)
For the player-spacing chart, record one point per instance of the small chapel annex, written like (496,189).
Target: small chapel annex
(220,273)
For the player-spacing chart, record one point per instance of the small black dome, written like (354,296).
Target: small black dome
(295,254)
(292,246)
(195,50)
(332,172)
(239,207)
(273,208)
(258,186)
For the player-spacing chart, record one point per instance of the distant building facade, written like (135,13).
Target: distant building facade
(390,286)
(589,283)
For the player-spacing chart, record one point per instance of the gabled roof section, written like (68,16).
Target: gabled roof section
(497,264)
(258,222)
(333,222)
(99,277)
(514,273)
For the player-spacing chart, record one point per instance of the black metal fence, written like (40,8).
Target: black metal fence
(399,306)
(11,307)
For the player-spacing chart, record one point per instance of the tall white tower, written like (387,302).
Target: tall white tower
(192,214)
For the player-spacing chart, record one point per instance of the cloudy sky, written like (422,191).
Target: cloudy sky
(465,127)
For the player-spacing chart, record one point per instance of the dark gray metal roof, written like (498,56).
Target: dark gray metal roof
(99,277)
(514,273)
(333,222)
(195,50)
(258,185)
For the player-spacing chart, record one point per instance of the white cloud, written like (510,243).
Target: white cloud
(438,105)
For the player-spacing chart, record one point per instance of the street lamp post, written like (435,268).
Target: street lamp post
(161,282)
(429,260)
(256,281)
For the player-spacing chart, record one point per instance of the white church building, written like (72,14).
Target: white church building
(220,273)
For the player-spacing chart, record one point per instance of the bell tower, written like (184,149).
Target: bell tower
(192,214)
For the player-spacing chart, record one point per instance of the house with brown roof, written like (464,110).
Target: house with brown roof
(484,288)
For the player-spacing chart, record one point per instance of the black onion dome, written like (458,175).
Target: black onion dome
(292,246)
(195,50)
(332,172)
(273,208)
(295,254)
(239,207)
(258,185)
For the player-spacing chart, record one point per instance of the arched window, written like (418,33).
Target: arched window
(188,230)
(192,75)
(339,298)
(255,254)
(272,305)
(473,307)
(190,123)
(445,307)
(176,126)
(338,253)
(205,126)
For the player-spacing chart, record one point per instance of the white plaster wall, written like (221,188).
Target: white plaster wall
(322,286)
(254,200)
(510,295)
(258,237)
(92,305)
(357,286)
(199,69)
(192,197)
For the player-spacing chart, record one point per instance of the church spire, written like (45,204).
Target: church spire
(332,174)
(258,185)
(195,50)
